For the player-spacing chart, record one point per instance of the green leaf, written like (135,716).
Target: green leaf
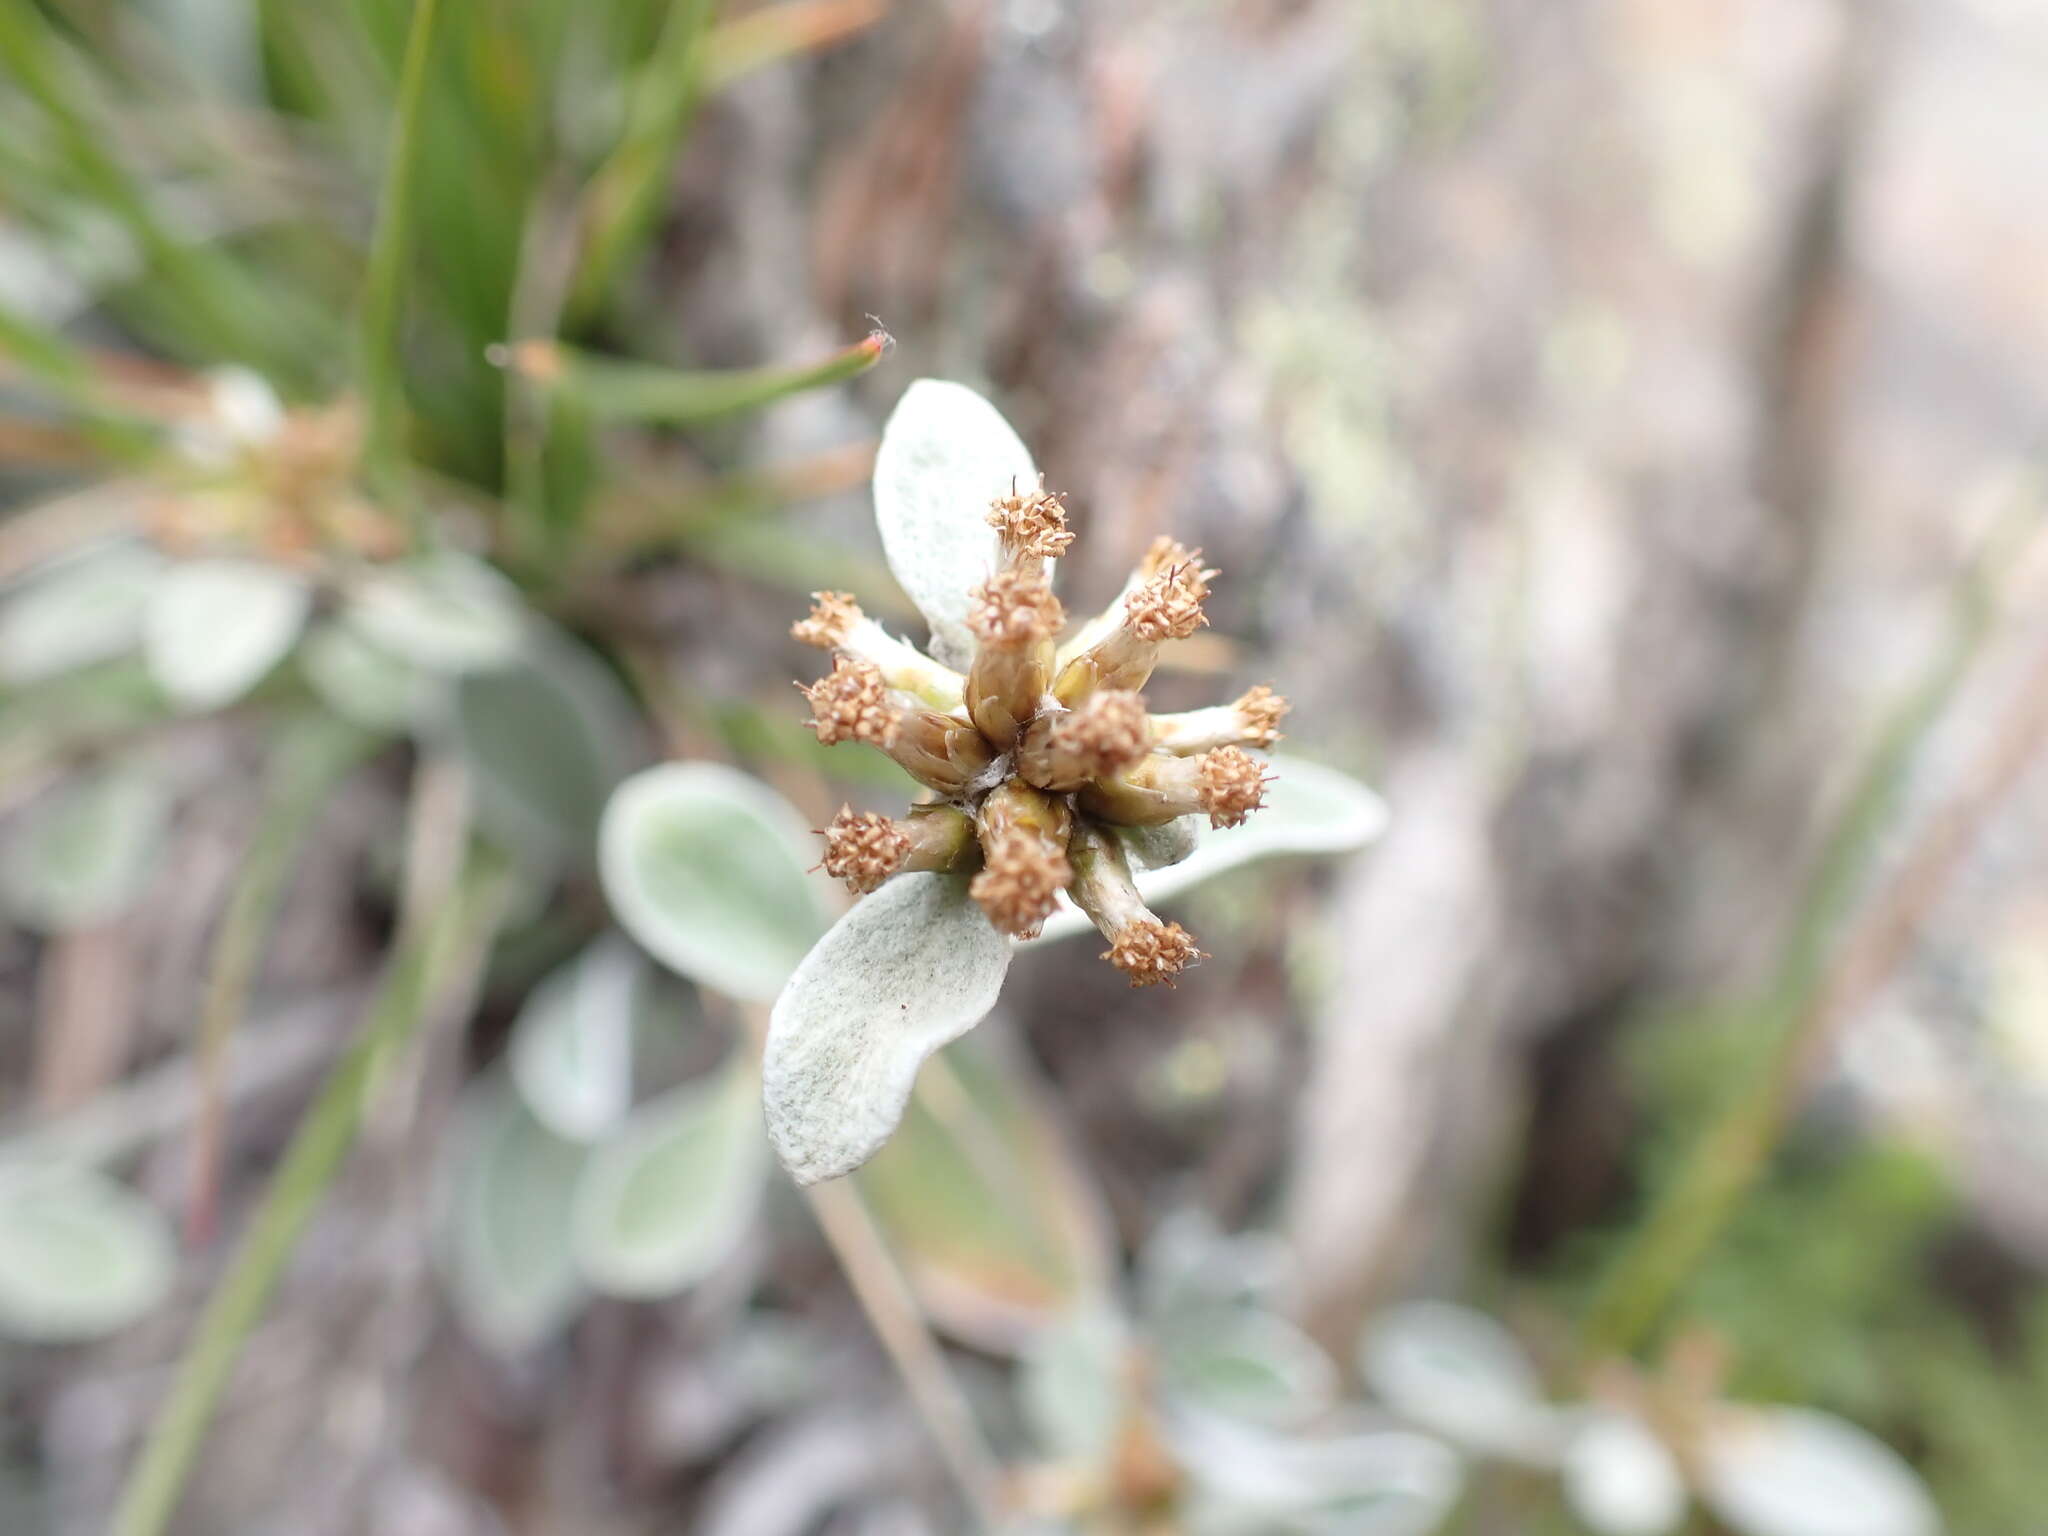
(1249,1481)
(508,1192)
(999,1231)
(614,390)
(1074,1383)
(80,1256)
(443,613)
(1798,1472)
(669,1200)
(910,968)
(704,867)
(572,1045)
(213,628)
(75,612)
(82,857)
(1309,810)
(547,737)
(946,453)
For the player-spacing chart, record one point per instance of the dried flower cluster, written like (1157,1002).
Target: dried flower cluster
(1040,750)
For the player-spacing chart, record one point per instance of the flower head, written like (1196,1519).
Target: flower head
(1049,781)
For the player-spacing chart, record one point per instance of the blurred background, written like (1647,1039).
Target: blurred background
(1617,424)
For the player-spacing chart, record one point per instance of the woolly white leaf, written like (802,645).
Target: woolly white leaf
(1798,1472)
(80,1256)
(213,628)
(1459,1373)
(361,681)
(1254,1482)
(572,1045)
(77,611)
(1619,1479)
(911,967)
(506,1193)
(667,1202)
(81,857)
(446,613)
(705,868)
(946,453)
(1254,1366)
(1075,1384)
(1309,809)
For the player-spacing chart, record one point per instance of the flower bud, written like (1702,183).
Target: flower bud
(1163,603)
(1252,721)
(1142,946)
(1023,847)
(864,848)
(1226,785)
(1107,734)
(1014,617)
(836,623)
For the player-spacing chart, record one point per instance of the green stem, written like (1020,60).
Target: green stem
(417,973)
(1734,1150)
(309,761)
(378,322)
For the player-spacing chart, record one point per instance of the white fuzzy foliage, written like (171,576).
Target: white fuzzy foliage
(1798,1472)
(213,628)
(910,968)
(1619,1479)
(946,454)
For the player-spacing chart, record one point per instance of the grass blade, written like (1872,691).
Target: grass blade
(775,32)
(613,389)
(382,384)
(417,974)
(620,201)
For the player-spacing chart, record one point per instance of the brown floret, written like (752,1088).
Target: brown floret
(852,704)
(1014,608)
(1150,951)
(831,620)
(1021,877)
(1108,733)
(864,848)
(1169,605)
(1031,524)
(1229,785)
(1261,710)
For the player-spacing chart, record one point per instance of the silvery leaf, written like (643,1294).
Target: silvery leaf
(908,969)
(946,454)
(213,628)
(507,1188)
(1252,1366)
(82,856)
(1619,1479)
(1073,1385)
(704,867)
(1253,1482)
(1798,1472)
(443,613)
(73,612)
(546,736)
(669,1199)
(1161,847)
(1309,809)
(362,682)
(572,1044)
(80,1256)
(1459,1373)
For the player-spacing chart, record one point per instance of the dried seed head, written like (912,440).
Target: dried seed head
(1021,876)
(1150,951)
(852,704)
(1169,604)
(1032,525)
(1014,608)
(864,848)
(831,620)
(1163,553)
(1229,785)
(1260,711)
